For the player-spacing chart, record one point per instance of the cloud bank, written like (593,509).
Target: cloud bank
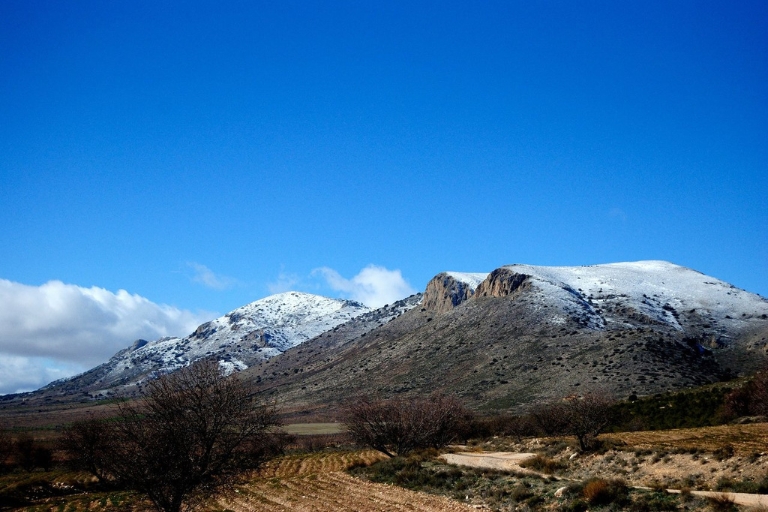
(374,286)
(56,329)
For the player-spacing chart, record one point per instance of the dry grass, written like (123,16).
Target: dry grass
(745,439)
(309,429)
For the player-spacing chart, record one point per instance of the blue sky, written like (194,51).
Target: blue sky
(202,155)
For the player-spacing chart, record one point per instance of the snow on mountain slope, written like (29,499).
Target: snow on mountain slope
(472,279)
(249,334)
(651,291)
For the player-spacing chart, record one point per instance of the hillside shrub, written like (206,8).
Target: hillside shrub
(398,426)
(604,492)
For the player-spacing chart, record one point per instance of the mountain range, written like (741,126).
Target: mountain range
(500,340)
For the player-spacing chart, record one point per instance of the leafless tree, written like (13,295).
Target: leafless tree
(191,433)
(750,398)
(583,416)
(758,403)
(551,418)
(89,444)
(587,416)
(399,426)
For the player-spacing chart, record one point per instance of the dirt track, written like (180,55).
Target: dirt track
(509,461)
(318,483)
(505,461)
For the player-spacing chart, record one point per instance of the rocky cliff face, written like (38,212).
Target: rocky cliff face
(502,282)
(446,291)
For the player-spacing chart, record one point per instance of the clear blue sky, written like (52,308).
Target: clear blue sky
(159,146)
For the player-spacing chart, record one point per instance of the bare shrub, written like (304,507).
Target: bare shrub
(583,416)
(551,418)
(543,464)
(759,398)
(722,503)
(751,398)
(87,444)
(603,492)
(191,433)
(398,426)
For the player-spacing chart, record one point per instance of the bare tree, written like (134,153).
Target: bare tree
(191,433)
(399,426)
(587,416)
(751,398)
(758,403)
(551,418)
(583,416)
(88,443)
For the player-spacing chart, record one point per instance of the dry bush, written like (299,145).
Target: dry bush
(551,418)
(543,464)
(751,398)
(398,426)
(604,492)
(584,417)
(87,444)
(722,503)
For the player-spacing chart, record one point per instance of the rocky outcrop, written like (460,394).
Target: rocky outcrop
(502,282)
(444,292)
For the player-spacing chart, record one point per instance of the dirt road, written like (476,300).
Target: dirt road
(505,461)
(509,461)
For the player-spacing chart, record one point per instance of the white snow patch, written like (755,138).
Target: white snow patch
(658,289)
(473,279)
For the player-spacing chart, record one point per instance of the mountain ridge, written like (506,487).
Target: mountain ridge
(518,334)
(530,333)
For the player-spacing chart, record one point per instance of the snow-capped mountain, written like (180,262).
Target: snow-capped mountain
(525,333)
(515,335)
(249,334)
(623,295)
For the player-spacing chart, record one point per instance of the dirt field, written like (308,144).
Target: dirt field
(318,483)
(307,429)
(746,440)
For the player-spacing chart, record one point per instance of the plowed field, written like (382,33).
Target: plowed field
(318,483)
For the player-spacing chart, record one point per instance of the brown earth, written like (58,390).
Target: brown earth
(318,483)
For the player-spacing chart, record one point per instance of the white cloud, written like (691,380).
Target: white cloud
(374,286)
(57,329)
(286,282)
(205,276)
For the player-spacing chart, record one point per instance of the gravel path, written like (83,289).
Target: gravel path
(505,461)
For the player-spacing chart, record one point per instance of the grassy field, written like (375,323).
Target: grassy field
(308,429)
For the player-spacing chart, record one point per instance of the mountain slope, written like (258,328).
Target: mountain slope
(255,332)
(527,333)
